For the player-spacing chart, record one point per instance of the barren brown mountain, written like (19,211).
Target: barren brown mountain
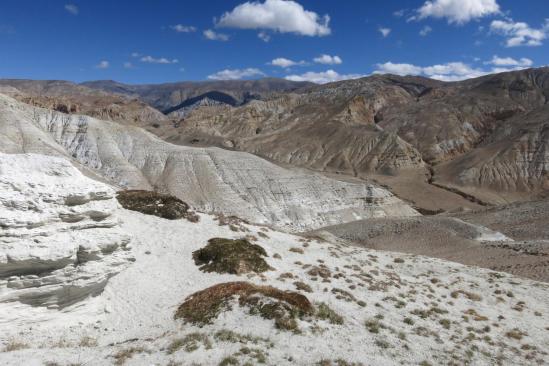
(442,146)
(484,139)
(68,97)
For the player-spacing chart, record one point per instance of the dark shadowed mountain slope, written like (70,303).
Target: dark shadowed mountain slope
(165,97)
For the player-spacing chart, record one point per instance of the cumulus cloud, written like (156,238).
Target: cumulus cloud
(384,31)
(160,60)
(520,33)
(102,65)
(264,36)
(180,28)
(214,36)
(71,8)
(322,77)
(128,65)
(453,71)
(398,69)
(509,61)
(284,16)
(328,60)
(236,74)
(457,11)
(284,62)
(425,31)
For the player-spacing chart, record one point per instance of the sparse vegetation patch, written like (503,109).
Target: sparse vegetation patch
(231,256)
(284,307)
(156,204)
(191,342)
(324,312)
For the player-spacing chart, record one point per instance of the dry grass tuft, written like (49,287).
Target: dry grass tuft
(191,342)
(326,313)
(14,345)
(469,295)
(122,356)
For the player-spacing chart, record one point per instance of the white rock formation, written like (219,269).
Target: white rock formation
(59,240)
(210,179)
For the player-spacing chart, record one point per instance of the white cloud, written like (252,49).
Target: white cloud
(128,65)
(399,13)
(264,36)
(160,60)
(425,31)
(102,65)
(328,60)
(384,31)
(71,8)
(284,62)
(135,54)
(322,77)
(457,11)
(509,61)
(236,74)
(284,16)
(398,69)
(520,33)
(180,28)
(214,36)
(452,71)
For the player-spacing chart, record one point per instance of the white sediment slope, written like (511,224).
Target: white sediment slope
(394,308)
(59,239)
(209,179)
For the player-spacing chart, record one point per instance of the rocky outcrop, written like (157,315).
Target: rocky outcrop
(209,179)
(60,240)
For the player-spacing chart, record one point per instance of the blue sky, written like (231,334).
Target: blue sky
(152,41)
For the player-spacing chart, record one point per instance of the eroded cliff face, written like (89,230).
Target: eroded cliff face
(515,158)
(210,179)
(60,240)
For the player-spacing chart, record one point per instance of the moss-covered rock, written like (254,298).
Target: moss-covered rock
(231,256)
(156,204)
(284,307)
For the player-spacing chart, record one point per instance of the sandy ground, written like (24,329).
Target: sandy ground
(448,238)
(412,187)
(521,221)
